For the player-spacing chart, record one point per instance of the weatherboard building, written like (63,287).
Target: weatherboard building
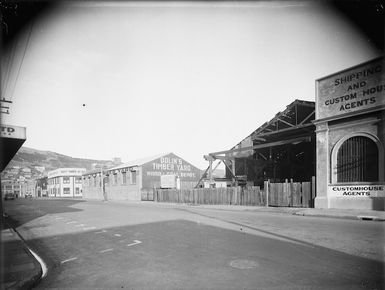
(136,180)
(350,136)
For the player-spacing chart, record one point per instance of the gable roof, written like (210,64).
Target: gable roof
(138,162)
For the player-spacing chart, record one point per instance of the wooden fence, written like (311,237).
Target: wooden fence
(227,195)
(291,194)
(287,194)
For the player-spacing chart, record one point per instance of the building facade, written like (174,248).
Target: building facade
(65,182)
(350,133)
(41,187)
(14,187)
(137,179)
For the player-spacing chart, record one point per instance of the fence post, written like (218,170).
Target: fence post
(235,192)
(313,194)
(266,185)
(291,191)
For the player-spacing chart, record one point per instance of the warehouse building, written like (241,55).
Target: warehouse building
(350,131)
(136,180)
(281,149)
(65,182)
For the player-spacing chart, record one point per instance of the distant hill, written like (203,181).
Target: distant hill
(30,163)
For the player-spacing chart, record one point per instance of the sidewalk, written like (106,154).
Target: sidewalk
(357,214)
(19,269)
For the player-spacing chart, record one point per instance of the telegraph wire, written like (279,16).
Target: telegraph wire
(21,63)
(9,68)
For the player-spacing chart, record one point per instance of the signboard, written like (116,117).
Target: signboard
(66,172)
(13,132)
(366,190)
(169,164)
(169,181)
(352,90)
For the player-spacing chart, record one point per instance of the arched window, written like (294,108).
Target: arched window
(357,160)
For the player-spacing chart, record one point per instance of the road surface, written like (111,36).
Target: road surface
(95,244)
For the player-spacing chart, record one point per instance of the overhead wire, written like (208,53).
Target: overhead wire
(8,68)
(21,62)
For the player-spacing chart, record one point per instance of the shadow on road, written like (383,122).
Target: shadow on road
(32,209)
(188,255)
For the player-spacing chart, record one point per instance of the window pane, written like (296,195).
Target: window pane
(133,177)
(124,177)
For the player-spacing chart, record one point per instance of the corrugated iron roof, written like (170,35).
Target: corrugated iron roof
(139,162)
(289,108)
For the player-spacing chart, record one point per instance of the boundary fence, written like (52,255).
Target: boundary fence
(226,195)
(291,194)
(287,194)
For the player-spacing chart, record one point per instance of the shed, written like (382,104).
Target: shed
(282,148)
(137,179)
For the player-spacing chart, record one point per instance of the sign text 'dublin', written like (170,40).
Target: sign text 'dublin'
(353,90)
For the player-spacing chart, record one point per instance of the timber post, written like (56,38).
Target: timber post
(266,186)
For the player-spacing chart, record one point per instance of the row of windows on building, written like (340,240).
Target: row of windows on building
(66,190)
(66,179)
(12,186)
(121,178)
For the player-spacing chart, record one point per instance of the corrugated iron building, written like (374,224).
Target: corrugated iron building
(137,179)
(282,148)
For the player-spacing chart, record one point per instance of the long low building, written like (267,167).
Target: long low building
(137,179)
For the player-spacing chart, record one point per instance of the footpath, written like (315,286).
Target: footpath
(20,269)
(360,214)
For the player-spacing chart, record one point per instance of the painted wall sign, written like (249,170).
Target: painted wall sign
(356,89)
(13,132)
(169,165)
(367,190)
(66,172)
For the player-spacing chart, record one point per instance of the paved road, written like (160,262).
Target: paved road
(136,246)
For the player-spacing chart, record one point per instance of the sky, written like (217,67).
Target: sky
(130,79)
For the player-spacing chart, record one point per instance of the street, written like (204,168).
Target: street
(95,244)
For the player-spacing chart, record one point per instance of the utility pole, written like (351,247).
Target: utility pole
(4,106)
(102,183)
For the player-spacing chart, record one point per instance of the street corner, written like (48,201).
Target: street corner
(21,269)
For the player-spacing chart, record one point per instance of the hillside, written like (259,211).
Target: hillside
(31,163)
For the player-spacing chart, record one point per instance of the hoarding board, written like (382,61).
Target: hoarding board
(168,181)
(356,89)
